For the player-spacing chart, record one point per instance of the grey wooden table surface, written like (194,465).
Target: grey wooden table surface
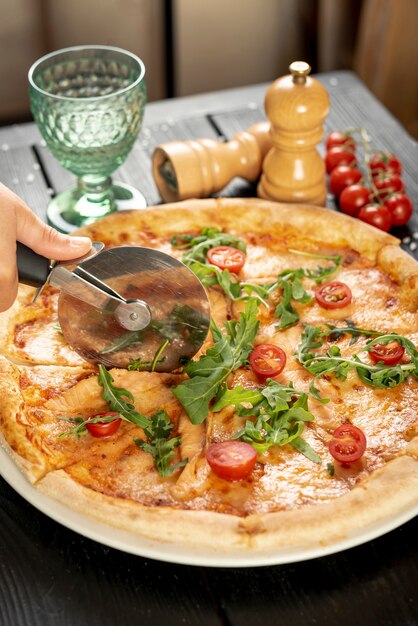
(49,575)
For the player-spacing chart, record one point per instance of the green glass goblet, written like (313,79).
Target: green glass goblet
(88,103)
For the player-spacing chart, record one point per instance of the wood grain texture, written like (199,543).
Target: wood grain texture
(50,575)
(353,587)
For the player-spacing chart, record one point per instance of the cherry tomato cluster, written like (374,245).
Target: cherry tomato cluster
(376,193)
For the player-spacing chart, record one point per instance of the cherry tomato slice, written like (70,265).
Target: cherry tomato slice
(267,360)
(104,429)
(333,295)
(340,138)
(339,156)
(389,353)
(377,215)
(353,198)
(342,176)
(227,257)
(348,443)
(400,207)
(231,460)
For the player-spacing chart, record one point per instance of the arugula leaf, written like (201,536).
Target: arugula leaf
(292,288)
(209,373)
(180,317)
(140,365)
(290,281)
(120,400)
(208,238)
(81,428)
(333,362)
(303,446)
(336,332)
(159,445)
(280,414)
(157,428)
(186,241)
(320,273)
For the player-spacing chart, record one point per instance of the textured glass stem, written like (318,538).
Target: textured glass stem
(98,191)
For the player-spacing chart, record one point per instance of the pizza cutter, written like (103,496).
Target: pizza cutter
(126,306)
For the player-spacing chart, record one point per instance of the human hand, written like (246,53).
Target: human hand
(19,223)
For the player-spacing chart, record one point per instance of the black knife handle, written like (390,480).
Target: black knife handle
(33,269)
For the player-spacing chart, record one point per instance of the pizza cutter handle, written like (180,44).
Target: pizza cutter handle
(33,269)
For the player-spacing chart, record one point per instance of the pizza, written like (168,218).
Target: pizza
(294,426)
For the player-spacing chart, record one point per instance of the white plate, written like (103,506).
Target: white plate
(133,544)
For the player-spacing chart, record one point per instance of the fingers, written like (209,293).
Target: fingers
(8,271)
(19,223)
(47,241)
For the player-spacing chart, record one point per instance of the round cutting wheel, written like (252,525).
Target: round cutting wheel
(176,299)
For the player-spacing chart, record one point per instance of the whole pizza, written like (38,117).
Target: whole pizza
(296,423)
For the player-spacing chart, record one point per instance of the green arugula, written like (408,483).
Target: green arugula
(199,245)
(81,422)
(139,365)
(293,290)
(157,428)
(120,400)
(320,273)
(290,281)
(159,445)
(209,373)
(181,317)
(280,414)
(336,332)
(333,362)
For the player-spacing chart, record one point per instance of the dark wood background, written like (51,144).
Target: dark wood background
(50,575)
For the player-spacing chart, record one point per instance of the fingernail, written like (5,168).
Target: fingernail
(80,242)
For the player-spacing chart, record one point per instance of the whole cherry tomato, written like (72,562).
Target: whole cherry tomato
(267,360)
(340,138)
(353,198)
(342,176)
(231,460)
(227,257)
(377,215)
(334,295)
(348,443)
(385,162)
(339,156)
(388,183)
(389,353)
(400,207)
(106,428)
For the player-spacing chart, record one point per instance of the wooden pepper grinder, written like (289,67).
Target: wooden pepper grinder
(197,169)
(293,170)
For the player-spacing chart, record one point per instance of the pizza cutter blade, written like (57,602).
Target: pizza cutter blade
(133,307)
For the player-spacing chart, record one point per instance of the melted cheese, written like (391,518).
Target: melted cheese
(283,478)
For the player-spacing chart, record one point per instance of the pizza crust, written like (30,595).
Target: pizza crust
(243,215)
(391,491)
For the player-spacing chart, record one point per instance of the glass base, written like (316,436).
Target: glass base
(71,209)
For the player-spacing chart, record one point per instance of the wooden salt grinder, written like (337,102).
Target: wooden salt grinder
(197,169)
(293,170)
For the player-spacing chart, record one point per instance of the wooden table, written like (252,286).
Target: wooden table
(51,576)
